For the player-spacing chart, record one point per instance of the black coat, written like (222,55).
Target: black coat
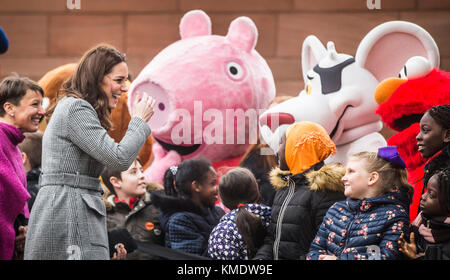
(33,185)
(433,251)
(301,201)
(439,162)
(33,189)
(253,162)
(142,222)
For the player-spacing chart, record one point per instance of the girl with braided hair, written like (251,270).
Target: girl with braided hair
(433,140)
(430,231)
(188,212)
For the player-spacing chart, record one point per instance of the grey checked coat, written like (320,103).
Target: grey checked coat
(68,217)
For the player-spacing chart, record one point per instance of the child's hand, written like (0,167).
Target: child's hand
(121,252)
(409,249)
(327,258)
(19,243)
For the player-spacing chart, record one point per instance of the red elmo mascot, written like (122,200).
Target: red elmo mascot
(402,103)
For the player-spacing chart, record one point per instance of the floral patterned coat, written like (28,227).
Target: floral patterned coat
(225,241)
(363,229)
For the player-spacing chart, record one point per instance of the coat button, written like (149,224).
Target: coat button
(149,226)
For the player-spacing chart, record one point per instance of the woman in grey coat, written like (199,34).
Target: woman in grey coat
(68,218)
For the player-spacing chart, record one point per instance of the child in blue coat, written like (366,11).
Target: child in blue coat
(188,206)
(369,222)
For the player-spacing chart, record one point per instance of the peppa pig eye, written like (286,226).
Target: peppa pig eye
(235,70)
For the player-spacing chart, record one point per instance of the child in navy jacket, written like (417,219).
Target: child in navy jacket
(369,222)
(188,206)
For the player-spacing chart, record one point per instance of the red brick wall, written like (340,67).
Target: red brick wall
(45,33)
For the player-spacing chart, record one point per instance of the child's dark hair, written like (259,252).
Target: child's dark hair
(443,180)
(237,187)
(32,147)
(252,230)
(441,115)
(179,184)
(108,173)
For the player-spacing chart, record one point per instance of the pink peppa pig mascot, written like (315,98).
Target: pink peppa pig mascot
(210,91)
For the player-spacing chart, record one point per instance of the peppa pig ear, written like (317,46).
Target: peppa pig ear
(312,52)
(243,33)
(387,47)
(195,23)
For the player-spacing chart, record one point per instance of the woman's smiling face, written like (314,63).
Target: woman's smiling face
(29,112)
(115,83)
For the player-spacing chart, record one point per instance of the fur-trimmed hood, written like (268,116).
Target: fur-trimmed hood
(327,178)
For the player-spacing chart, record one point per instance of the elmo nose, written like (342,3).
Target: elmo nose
(386,88)
(274,120)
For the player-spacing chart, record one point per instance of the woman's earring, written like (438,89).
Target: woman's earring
(12,115)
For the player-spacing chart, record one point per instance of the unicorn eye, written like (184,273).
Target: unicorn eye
(235,70)
(308,82)
(308,87)
(310,75)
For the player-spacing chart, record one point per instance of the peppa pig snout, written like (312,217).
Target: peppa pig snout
(163,107)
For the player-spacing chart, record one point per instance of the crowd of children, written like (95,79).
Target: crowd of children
(288,206)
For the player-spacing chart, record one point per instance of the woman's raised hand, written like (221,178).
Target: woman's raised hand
(143,106)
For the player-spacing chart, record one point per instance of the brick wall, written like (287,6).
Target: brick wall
(45,33)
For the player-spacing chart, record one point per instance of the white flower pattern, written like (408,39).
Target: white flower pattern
(225,242)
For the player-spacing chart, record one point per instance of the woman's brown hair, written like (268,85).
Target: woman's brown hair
(86,81)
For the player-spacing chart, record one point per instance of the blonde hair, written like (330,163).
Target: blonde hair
(391,178)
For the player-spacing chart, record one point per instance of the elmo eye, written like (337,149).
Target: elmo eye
(415,67)
(235,70)
(404,73)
